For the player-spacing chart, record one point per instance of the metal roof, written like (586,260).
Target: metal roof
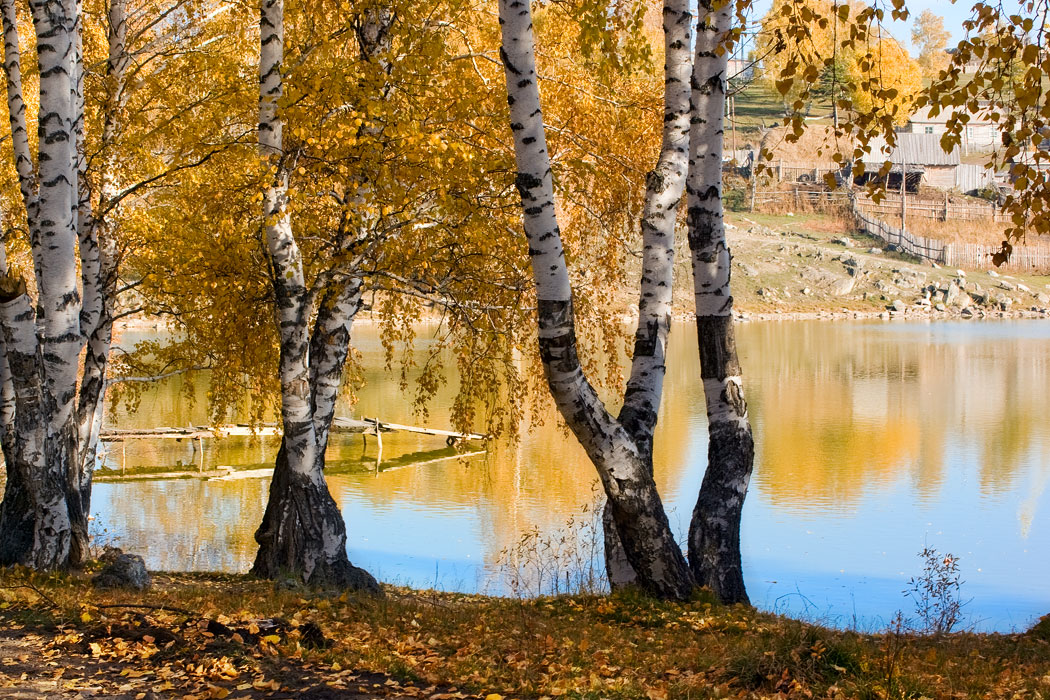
(916,149)
(922,116)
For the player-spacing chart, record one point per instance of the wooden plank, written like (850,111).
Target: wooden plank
(371,423)
(339,425)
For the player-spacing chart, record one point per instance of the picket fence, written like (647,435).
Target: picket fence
(1034,258)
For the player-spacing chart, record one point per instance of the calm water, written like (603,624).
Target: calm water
(873,440)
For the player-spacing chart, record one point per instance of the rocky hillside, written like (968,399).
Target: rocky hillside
(814,266)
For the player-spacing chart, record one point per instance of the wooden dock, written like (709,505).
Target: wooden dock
(197,434)
(370,426)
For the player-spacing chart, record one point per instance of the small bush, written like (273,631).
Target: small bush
(936,593)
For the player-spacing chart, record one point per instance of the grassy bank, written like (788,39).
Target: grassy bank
(208,636)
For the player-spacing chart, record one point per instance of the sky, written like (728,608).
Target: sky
(954,15)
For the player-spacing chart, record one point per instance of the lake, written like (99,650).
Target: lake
(873,440)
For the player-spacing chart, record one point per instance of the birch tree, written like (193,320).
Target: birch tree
(58,328)
(302,533)
(53,418)
(714,532)
(639,543)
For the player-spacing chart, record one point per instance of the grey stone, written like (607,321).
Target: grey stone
(899,306)
(842,287)
(960,273)
(1043,298)
(941,307)
(993,273)
(875,251)
(1007,286)
(125,571)
(843,242)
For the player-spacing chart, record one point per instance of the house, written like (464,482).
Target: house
(979,135)
(741,70)
(921,157)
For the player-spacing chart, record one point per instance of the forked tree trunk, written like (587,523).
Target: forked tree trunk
(52,422)
(714,533)
(640,547)
(302,535)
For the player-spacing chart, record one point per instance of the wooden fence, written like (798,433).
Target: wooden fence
(889,207)
(800,200)
(1024,258)
(919,246)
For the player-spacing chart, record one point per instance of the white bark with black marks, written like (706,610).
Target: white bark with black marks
(302,534)
(714,533)
(624,465)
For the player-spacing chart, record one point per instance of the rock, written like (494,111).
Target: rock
(934,265)
(1043,298)
(899,306)
(941,307)
(1023,288)
(875,251)
(842,287)
(993,273)
(843,242)
(110,554)
(960,273)
(805,290)
(125,571)
(1007,286)
(951,293)
(967,312)
(925,301)
(884,315)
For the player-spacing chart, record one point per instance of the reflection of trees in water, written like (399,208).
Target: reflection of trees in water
(185,524)
(841,412)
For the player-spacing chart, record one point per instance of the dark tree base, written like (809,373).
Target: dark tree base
(714,537)
(303,537)
(16,522)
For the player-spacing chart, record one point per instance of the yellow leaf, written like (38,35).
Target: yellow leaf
(85,617)
(272,639)
(493,696)
(217,692)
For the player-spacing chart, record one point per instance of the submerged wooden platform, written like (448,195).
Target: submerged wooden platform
(339,425)
(197,435)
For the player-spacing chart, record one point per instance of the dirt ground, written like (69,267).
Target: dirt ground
(36,665)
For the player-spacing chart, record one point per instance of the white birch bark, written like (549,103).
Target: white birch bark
(302,534)
(99,257)
(59,299)
(16,108)
(329,347)
(714,537)
(664,188)
(633,503)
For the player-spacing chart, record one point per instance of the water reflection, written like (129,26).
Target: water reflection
(872,440)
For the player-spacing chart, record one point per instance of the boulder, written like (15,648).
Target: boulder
(124,571)
(899,306)
(842,287)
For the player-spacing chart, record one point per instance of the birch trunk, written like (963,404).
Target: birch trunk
(714,533)
(302,535)
(52,420)
(640,546)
